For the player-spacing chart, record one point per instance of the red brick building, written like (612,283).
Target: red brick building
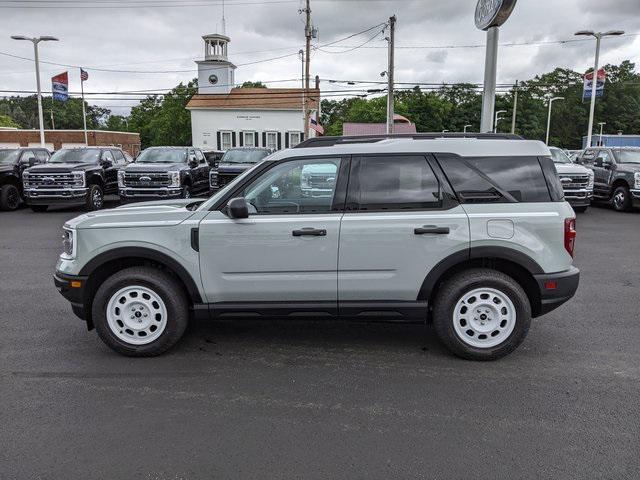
(57,139)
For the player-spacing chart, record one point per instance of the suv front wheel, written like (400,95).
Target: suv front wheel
(140,312)
(481,314)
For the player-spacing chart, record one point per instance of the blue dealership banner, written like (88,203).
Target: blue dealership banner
(588,84)
(60,87)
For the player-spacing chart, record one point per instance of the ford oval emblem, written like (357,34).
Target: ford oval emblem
(493,13)
(145,179)
(565,180)
(48,180)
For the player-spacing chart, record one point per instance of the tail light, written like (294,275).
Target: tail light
(570,235)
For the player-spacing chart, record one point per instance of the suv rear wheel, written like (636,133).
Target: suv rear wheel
(481,314)
(621,199)
(140,312)
(9,197)
(95,198)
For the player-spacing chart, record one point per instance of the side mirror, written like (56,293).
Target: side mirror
(32,162)
(193,162)
(107,163)
(238,208)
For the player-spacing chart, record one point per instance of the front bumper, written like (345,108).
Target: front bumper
(578,198)
(635,197)
(149,193)
(55,196)
(556,289)
(73,288)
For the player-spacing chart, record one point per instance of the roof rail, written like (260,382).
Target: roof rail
(331,141)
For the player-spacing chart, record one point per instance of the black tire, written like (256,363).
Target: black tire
(621,199)
(166,287)
(463,282)
(186,191)
(95,198)
(9,198)
(39,208)
(580,209)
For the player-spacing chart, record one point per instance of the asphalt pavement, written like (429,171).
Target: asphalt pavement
(318,400)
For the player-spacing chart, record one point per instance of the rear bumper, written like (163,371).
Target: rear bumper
(43,196)
(556,288)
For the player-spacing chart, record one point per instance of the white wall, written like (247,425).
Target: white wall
(206,123)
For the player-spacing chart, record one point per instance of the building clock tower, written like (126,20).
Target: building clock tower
(215,72)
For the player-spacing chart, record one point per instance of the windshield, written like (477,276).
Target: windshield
(627,156)
(9,156)
(80,155)
(220,193)
(244,156)
(160,155)
(559,156)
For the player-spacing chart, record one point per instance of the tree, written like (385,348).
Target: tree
(7,122)
(253,85)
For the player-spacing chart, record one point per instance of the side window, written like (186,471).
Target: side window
(42,155)
(496,179)
(295,187)
(394,183)
(200,157)
(108,156)
(27,156)
(119,157)
(603,157)
(589,156)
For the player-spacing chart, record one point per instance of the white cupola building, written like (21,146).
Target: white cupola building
(225,116)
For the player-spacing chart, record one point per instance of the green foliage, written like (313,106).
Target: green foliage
(253,85)
(7,122)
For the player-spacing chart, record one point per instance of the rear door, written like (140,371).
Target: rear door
(400,221)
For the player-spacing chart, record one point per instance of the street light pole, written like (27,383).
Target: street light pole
(602,124)
(594,84)
(36,41)
(551,100)
(497,119)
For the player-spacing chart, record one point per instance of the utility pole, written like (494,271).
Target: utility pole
(53,123)
(390,75)
(307,59)
(515,108)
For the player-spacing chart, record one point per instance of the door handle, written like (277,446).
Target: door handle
(310,232)
(431,229)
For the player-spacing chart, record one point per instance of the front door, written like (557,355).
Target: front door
(287,250)
(399,223)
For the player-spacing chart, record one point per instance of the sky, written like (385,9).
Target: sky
(164,36)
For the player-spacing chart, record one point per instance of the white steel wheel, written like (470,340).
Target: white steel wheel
(484,317)
(136,315)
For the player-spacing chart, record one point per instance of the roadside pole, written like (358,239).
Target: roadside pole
(84,112)
(515,108)
(307,34)
(390,75)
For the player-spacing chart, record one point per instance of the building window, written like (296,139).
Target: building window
(294,139)
(272,140)
(249,139)
(225,140)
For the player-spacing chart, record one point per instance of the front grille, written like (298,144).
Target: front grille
(146,179)
(577,181)
(225,178)
(321,180)
(50,180)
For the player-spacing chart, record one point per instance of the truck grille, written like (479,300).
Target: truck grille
(146,179)
(225,178)
(50,180)
(321,180)
(577,181)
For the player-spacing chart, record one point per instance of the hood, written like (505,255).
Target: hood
(568,168)
(136,215)
(629,167)
(62,167)
(154,167)
(234,167)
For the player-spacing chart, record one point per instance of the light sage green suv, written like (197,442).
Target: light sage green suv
(472,234)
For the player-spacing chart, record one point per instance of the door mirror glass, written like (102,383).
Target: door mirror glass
(238,208)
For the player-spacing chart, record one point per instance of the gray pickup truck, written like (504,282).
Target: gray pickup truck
(576,180)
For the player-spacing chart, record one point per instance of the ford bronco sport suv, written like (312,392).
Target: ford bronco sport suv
(165,172)
(13,162)
(576,180)
(617,175)
(472,234)
(77,176)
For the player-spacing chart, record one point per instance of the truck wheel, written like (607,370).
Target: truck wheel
(481,314)
(95,198)
(580,209)
(140,312)
(186,191)
(39,208)
(621,199)
(9,197)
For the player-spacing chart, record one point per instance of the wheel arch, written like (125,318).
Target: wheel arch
(619,182)
(517,265)
(95,178)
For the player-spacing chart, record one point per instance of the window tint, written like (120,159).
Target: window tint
(42,155)
(117,154)
(496,179)
(296,187)
(394,183)
(553,181)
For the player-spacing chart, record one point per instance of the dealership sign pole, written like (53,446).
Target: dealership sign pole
(490,15)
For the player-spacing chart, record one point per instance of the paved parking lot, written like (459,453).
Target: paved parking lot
(318,400)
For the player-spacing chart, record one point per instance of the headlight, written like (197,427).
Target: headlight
(78,178)
(213,178)
(636,176)
(590,184)
(175,178)
(121,178)
(68,243)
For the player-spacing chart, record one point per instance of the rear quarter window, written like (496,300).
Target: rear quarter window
(496,179)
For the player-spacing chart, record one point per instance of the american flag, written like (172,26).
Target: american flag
(313,123)
(84,76)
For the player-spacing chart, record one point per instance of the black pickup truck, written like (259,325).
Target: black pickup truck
(165,172)
(233,163)
(13,162)
(76,176)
